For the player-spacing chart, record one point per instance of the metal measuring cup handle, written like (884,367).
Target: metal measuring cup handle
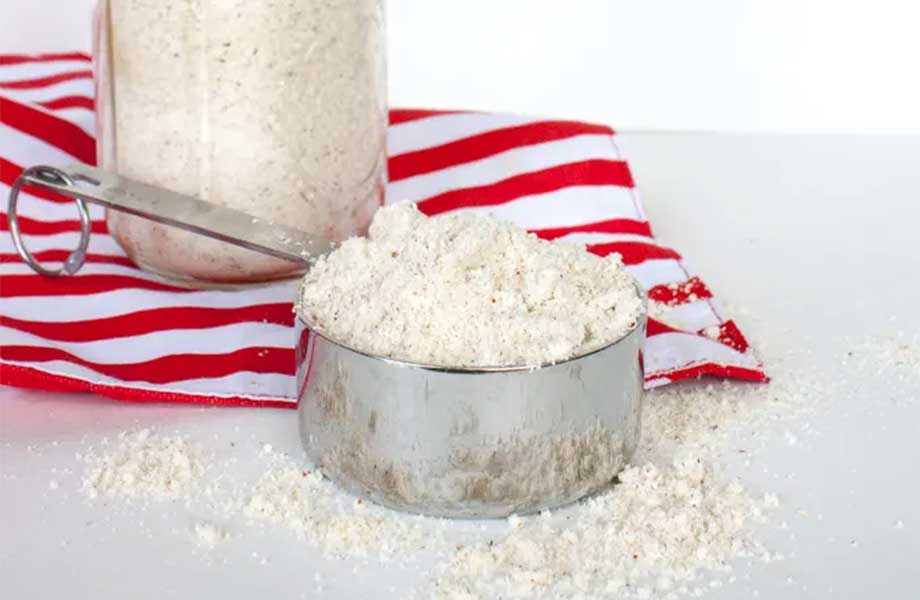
(88,184)
(39,176)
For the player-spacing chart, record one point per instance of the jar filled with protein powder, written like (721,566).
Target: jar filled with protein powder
(274,108)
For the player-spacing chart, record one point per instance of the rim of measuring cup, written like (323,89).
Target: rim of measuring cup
(637,326)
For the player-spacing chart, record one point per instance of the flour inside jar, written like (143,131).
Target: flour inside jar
(275,109)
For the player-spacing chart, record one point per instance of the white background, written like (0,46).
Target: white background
(720,65)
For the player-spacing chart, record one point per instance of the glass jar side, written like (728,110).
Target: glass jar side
(279,112)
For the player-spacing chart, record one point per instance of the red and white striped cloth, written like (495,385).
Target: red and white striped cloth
(117,331)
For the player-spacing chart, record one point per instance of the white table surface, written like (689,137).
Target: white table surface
(813,238)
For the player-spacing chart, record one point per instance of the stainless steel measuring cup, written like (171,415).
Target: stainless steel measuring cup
(456,442)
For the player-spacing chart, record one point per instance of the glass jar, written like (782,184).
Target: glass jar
(275,108)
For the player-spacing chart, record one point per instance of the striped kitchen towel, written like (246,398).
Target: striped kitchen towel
(117,331)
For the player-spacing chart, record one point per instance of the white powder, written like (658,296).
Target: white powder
(649,536)
(276,109)
(467,290)
(702,416)
(143,464)
(668,529)
(209,535)
(315,510)
(712,332)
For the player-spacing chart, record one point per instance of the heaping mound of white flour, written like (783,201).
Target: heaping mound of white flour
(467,290)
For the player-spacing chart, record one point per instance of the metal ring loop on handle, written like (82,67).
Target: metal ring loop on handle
(34,176)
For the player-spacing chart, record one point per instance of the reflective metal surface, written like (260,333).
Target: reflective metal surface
(88,184)
(469,443)
(76,258)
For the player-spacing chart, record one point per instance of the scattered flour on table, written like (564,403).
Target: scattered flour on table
(651,535)
(702,416)
(314,509)
(671,527)
(467,289)
(143,464)
(209,535)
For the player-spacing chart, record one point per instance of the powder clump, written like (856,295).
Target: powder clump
(469,290)
(208,535)
(145,465)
